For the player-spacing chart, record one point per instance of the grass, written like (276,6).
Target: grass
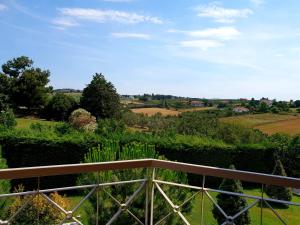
(268,122)
(27,121)
(84,211)
(290,215)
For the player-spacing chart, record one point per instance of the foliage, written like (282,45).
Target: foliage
(24,84)
(60,107)
(82,119)
(38,207)
(4,184)
(101,98)
(7,119)
(107,127)
(111,151)
(231,204)
(279,192)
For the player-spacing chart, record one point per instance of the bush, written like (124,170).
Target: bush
(111,151)
(4,186)
(278,192)
(7,119)
(60,107)
(82,120)
(231,204)
(37,207)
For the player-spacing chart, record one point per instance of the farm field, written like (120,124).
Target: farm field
(167,112)
(153,111)
(268,123)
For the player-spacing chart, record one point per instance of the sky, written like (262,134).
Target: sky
(207,49)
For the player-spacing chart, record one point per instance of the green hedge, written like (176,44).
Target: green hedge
(23,149)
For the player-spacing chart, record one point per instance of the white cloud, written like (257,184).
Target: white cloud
(223,33)
(2,7)
(132,35)
(221,14)
(118,0)
(64,22)
(102,16)
(202,44)
(257,2)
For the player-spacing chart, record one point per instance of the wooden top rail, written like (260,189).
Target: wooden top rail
(43,171)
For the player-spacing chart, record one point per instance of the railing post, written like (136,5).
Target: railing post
(97,196)
(147,197)
(38,196)
(152,196)
(202,199)
(261,204)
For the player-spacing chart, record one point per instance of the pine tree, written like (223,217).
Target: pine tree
(231,204)
(279,192)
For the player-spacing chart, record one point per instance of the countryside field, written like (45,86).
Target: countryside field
(268,122)
(167,112)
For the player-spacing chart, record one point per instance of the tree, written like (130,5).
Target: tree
(24,84)
(231,204)
(100,98)
(297,103)
(263,107)
(4,186)
(60,107)
(111,151)
(279,192)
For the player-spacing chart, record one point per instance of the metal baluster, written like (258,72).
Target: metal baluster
(38,196)
(147,198)
(97,196)
(261,204)
(202,199)
(152,196)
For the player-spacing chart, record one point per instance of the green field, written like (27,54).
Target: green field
(26,122)
(290,215)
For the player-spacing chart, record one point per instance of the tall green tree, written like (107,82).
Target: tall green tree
(100,98)
(278,192)
(24,84)
(231,204)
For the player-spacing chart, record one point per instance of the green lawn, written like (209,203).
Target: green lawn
(84,211)
(26,122)
(290,215)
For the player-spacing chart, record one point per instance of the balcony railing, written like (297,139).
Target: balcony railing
(148,184)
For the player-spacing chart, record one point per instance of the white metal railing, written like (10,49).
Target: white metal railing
(147,186)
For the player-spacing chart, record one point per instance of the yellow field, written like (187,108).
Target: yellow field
(153,111)
(196,109)
(268,123)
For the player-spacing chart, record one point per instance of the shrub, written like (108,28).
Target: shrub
(4,185)
(278,192)
(111,151)
(37,207)
(7,119)
(60,106)
(231,204)
(82,119)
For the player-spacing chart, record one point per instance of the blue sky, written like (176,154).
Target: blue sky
(212,49)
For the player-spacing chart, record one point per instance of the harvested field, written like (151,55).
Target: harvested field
(153,111)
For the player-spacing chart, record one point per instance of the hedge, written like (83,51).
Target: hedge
(22,149)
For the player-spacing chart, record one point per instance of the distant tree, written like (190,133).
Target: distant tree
(82,120)
(101,98)
(263,107)
(231,204)
(60,107)
(297,103)
(278,192)
(24,84)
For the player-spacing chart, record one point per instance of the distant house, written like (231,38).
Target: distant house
(197,103)
(267,101)
(240,109)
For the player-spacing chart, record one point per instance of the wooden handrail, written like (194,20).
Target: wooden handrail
(42,171)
